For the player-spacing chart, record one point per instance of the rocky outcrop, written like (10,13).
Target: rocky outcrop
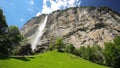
(80,26)
(30,29)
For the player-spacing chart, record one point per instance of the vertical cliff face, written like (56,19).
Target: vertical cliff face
(79,26)
(30,29)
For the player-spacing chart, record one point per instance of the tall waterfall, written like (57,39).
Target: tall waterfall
(40,33)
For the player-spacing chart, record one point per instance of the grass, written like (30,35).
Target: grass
(51,59)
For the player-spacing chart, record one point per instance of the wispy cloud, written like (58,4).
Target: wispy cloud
(32,2)
(38,14)
(52,5)
(22,20)
(31,6)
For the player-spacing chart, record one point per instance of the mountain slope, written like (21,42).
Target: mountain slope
(51,59)
(80,26)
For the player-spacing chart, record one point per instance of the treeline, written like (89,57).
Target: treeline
(9,36)
(10,40)
(108,55)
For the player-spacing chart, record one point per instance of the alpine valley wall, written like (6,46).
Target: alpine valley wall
(81,26)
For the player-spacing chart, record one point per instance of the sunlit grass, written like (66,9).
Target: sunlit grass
(51,59)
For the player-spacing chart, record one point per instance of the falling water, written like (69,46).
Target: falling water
(40,33)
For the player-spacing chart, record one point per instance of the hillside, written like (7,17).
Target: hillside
(51,59)
(80,26)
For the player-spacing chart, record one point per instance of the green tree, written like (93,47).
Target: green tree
(112,52)
(109,53)
(9,37)
(117,40)
(96,54)
(76,52)
(4,48)
(83,52)
(93,53)
(13,38)
(3,24)
(14,35)
(86,52)
(51,46)
(25,50)
(69,48)
(59,45)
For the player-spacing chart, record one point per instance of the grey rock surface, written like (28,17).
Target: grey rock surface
(79,26)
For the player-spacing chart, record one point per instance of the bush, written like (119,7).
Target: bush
(117,40)
(76,52)
(96,54)
(60,45)
(25,50)
(69,48)
(112,53)
(51,46)
(93,53)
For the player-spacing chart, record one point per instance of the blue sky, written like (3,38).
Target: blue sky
(18,12)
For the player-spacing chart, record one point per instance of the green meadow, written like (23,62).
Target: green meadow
(52,59)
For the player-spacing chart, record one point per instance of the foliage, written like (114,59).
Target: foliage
(93,53)
(60,45)
(109,47)
(14,36)
(112,53)
(3,24)
(25,50)
(96,54)
(76,52)
(69,48)
(9,36)
(4,47)
(107,9)
(117,40)
(83,52)
(51,46)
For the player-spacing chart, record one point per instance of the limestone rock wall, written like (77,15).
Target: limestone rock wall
(79,26)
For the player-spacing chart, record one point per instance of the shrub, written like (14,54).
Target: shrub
(93,53)
(96,54)
(69,48)
(83,52)
(76,52)
(112,54)
(60,45)
(25,50)
(117,40)
(51,46)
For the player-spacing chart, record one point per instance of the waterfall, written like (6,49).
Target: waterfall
(40,33)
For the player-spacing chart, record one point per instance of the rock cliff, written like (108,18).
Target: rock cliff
(80,26)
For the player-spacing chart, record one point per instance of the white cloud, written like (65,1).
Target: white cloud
(46,10)
(57,5)
(38,14)
(31,6)
(54,5)
(45,1)
(22,20)
(32,2)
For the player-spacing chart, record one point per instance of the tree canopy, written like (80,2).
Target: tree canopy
(9,36)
